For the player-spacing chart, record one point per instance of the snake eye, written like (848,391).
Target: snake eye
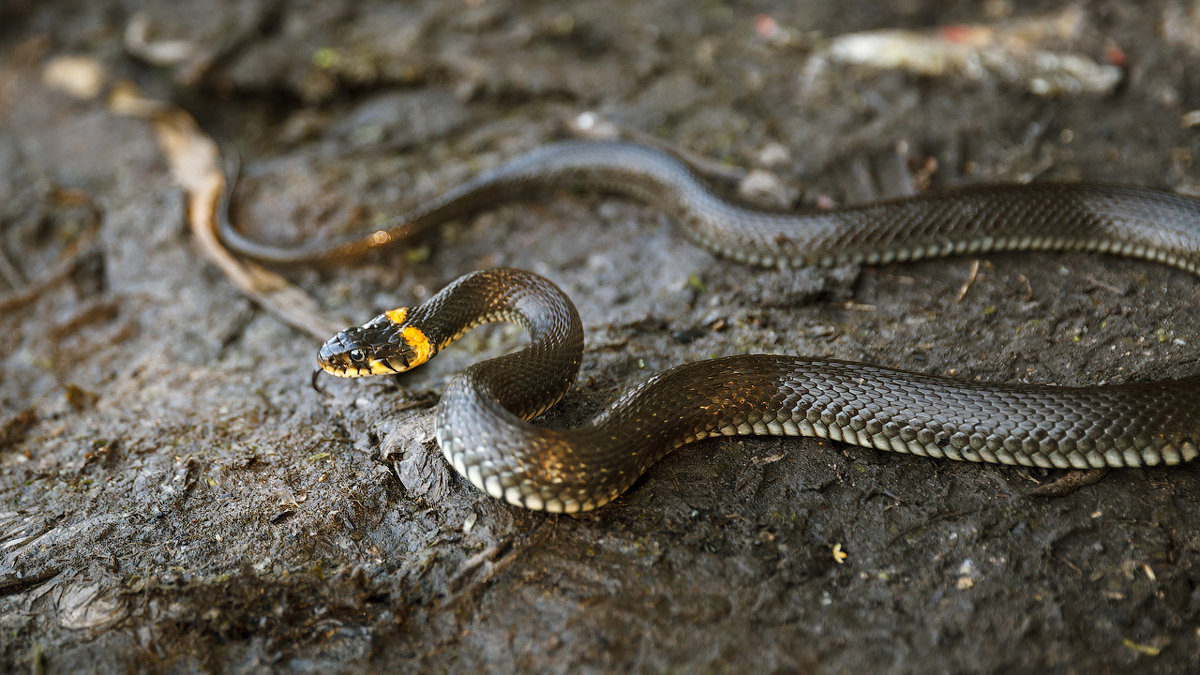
(357,355)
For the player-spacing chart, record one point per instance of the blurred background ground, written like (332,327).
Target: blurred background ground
(174,496)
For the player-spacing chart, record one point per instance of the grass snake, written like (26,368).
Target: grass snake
(482,418)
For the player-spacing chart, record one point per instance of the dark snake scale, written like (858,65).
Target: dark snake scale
(481,419)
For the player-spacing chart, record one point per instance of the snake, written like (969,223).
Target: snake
(483,421)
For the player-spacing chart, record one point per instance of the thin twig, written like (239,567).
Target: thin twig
(196,163)
(971,277)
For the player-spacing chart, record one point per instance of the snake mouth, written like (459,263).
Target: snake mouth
(343,370)
(342,367)
(347,371)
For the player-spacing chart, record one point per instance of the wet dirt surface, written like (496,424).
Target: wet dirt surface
(174,496)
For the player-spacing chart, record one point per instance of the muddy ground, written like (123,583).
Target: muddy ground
(175,497)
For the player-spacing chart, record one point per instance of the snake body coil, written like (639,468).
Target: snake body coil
(481,419)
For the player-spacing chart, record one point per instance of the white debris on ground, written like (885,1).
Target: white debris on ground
(1013,52)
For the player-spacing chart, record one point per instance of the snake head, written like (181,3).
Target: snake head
(384,345)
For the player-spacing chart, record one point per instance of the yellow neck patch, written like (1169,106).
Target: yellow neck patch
(397,315)
(421,346)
